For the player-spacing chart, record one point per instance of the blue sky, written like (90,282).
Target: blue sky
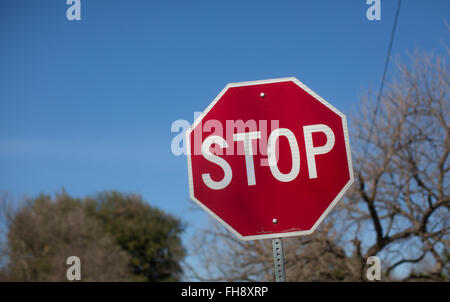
(88,105)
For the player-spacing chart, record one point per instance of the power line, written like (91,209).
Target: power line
(380,92)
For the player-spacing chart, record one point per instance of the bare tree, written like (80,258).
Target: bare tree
(401,196)
(222,257)
(396,210)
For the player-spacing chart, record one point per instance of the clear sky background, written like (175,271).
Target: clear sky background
(88,105)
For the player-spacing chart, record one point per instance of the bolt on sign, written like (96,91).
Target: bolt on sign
(269,158)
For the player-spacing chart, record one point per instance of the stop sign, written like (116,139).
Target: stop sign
(269,158)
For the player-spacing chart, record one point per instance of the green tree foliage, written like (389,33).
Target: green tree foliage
(148,235)
(118,237)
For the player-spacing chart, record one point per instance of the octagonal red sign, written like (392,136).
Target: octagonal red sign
(269,158)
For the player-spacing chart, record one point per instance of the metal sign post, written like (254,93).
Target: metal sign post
(278,259)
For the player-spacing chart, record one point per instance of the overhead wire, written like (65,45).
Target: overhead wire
(383,79)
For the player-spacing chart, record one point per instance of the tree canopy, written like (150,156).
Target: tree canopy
(118,237)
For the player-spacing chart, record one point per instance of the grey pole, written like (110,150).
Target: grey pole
(278,259)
